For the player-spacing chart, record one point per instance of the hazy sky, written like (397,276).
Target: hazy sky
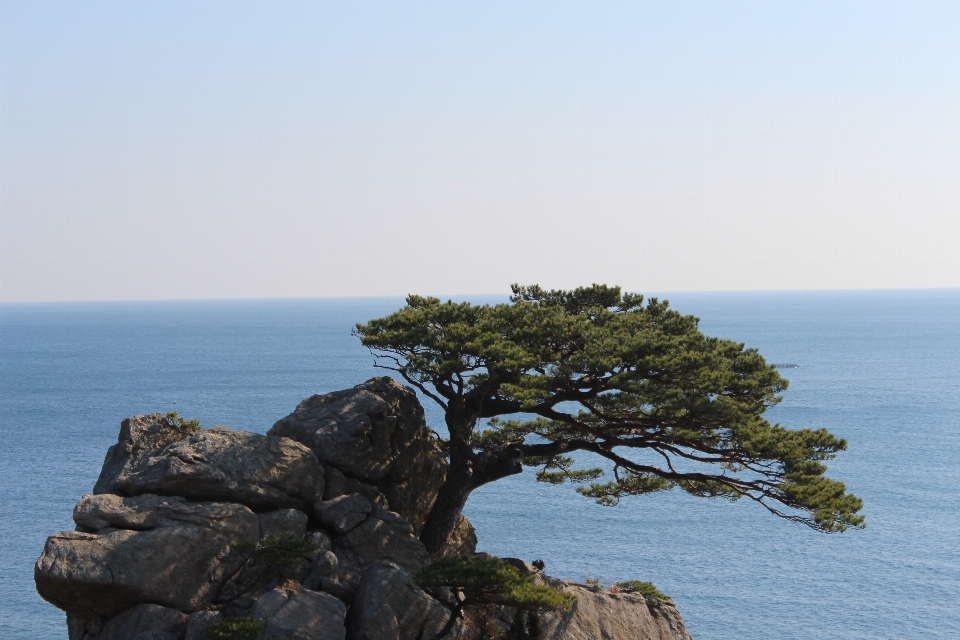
(203,149)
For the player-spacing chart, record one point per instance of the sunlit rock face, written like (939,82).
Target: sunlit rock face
(307,533)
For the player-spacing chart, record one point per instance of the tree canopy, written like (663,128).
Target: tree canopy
(627,379)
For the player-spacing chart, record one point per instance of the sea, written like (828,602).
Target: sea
(879,368)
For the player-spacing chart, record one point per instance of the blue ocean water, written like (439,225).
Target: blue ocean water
(877,368)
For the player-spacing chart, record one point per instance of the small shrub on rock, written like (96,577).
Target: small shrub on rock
(285,552)
(479,580)
(234,628)
(488,579)
(175,420)
(274,556)
(641,587)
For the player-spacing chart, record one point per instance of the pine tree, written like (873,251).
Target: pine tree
(632,381)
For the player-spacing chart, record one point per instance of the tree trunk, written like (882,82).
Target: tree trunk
(449,503)
(457,487)
(467,472)
(490,466)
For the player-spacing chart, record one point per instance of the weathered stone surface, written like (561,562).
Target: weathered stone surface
(612,616)
(137,565)
(145,549)
(300,614)
(390,606)
(336,484)
(463,539)
(336,572)
(385,536)
(375,433)
(154,455)
(283,522)
(77,627)
(323,542)
(143,622)
(198,621)
(344,513)
(328,564)
(324,566)
(343,591)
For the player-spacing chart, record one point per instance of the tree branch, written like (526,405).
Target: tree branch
(490,466)
(419,386)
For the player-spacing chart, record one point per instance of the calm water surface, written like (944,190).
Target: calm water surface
(877,368)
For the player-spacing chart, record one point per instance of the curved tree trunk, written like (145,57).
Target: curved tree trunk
(467,472)
(449,503)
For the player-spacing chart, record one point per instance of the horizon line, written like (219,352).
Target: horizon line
(462,296)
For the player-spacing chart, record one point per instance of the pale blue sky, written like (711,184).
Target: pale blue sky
(203,149)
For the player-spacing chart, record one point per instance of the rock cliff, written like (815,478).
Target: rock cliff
(306,533)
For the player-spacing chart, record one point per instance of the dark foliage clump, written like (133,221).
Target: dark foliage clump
(175,420)
(479,581)
(641,587)
(234,628)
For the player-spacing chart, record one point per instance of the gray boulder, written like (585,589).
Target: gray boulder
(375,433)
(300,614)
(595,613)
(344,513)
(77,627)
(335,572)
(155,455)
(340,589)
(142,622)
(463,539)
(142,566)
(283,522)
(145,549)
(326,565)
(198,621)
(323,542)
(336,484)
(613,616)
(390,606)
(382,536)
